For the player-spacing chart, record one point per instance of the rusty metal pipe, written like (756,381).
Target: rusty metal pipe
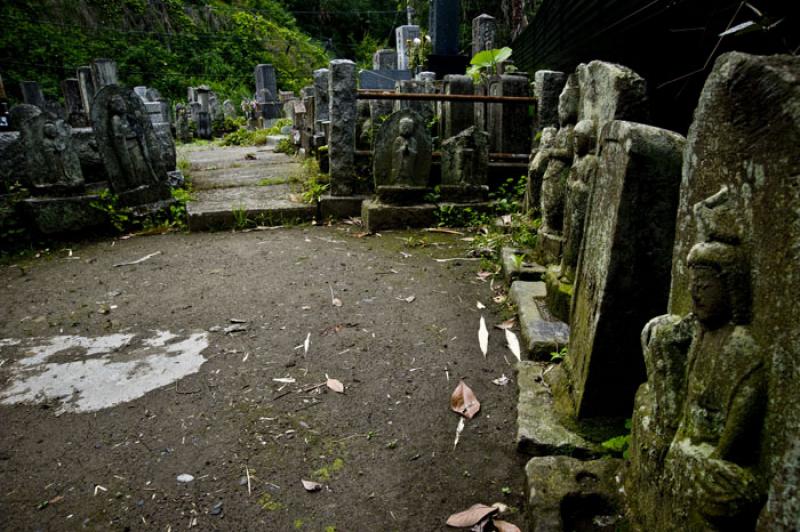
(383,95)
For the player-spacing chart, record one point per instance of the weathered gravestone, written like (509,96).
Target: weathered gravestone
(484,30)
(402,158)
(52,166)
(84,74)
(182,130)
(507,123)
(426,109)
(715,427)
(204,124)
(32,93)
(73,103)
(465,166)
(342,114)
(536,169)
(229,110)
(547,87)
(404,37)
(133,153)
(267,92)
(457,116)
(384,59)
(623,270)
(104,73)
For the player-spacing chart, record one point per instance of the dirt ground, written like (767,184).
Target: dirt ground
(383,450)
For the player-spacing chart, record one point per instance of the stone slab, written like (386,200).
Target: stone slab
(268,205)
(61,215)
(527,271)
(564,493)
(339,207)
(541,335)
(378,216)
(539,431)
(383,79)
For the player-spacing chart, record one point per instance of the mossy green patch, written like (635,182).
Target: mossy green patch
(268,503)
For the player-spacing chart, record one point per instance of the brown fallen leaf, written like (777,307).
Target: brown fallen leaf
(471,516)
(362,235)
(334,385)
(464,402)
(505,526)
(310,485)
(508,324)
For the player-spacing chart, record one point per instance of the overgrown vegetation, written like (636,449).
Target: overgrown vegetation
(618,445)
(123,219)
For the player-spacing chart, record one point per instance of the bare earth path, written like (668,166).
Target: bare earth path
(205,403)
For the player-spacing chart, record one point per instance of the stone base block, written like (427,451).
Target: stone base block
(340,206)
(567,494)
(516,271)
(378,216)
(548,247)
(402,195)
(539,431)
(144,194)
(61,215)
(541,334)
(464,193)
(559,294)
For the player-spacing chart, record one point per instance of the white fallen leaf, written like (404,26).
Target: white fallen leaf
(508,324)
(480,305)
(335,301)
(285,380)
(310,485)
(99,488)
(334,385)
(501,508)
(185,477)
(306,344)
(513,344)
(459,430)
(483,337)
(410,299)
(502,380)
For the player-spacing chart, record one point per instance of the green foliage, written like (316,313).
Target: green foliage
(315,183)
(619,445)
(286,146)
(484,64)
(108,203)
(509,197)
(558,356)
(448,215)
(166,44)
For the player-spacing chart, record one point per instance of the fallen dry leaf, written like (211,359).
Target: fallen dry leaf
(285,380)
(483,337)
(310,485)
(480,305)
(508,324)
(464,402)
(484,275)
(410,299)
(500,299)
(471,516)
(505,526)
(459,430)
(502,380)
(335,301)
(513,344)
(306,344)
(503,508)
(335,385)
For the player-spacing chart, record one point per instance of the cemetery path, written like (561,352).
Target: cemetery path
(237,186)
(117,380)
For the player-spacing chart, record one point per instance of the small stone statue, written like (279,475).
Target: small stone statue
(537,168)
(130,146)
(404,153)
(714,397)
(560,160)
(579,182)
(182,130)
(52,163)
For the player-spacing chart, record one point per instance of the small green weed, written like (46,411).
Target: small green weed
(619,445)
(286,146)
(108,203)
(240,218)
(558,356)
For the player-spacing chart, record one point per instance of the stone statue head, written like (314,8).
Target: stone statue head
(568,102)
(719,284)
(50,130)
(117,105)
(406,127)
(585,136)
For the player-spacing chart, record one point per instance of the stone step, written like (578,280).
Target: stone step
(241,207)
(541,333)
(514,271)
(539,432)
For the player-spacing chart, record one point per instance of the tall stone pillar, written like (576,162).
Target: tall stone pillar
(444,19)
(456,117)
(204,130)
(508,124)
(322,102)
(547,86)
(342,141)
